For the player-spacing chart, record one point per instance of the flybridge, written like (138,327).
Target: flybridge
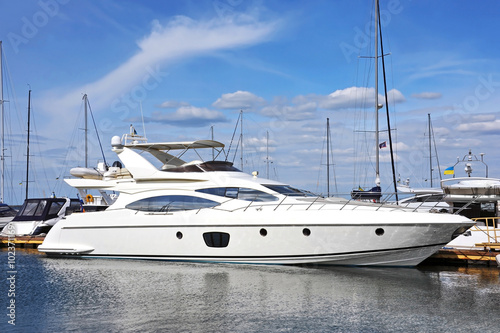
(177,145)
(133,140)
(141,168)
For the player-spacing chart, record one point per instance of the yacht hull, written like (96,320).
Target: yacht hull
(323,237)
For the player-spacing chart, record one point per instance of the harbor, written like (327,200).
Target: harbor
(165,166)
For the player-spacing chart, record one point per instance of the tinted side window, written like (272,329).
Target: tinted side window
(55,207)
(242,193)
(171,203)
(249,194)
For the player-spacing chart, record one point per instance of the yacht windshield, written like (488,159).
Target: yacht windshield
(39,209)
(204,167)
(289,191)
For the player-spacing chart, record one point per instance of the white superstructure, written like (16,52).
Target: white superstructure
(212,212)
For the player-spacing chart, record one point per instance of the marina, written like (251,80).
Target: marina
(190,195)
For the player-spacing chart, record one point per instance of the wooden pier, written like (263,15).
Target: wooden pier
(457,257)
(26,242)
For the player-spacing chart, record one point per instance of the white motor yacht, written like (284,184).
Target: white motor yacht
(37,215)
(212,212)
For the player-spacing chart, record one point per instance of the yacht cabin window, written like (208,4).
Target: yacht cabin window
(171,203)
(289,191)
(242,193)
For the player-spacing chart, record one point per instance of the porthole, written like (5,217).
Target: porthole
(306,231)
(263,232)
(179,234)
(379,231)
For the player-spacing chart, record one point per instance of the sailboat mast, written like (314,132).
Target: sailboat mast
(430,146)
(212,137)
(377,153)
(328,157)
(2,164)
(267,154)
(28,145)
(86,147)
(241,139)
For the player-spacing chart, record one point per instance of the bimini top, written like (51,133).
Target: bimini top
(177,145)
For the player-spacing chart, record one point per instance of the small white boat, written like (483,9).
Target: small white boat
(37,216)
(212,212)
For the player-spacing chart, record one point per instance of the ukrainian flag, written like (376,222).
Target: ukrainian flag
(449,171)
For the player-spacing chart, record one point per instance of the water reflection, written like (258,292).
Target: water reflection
(128,295)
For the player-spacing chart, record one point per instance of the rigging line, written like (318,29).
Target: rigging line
(333,164)
(21,122)
(320,163)
(33,113)
(70,150)
(97,132)
(232,138)
(435,148)
(236,152)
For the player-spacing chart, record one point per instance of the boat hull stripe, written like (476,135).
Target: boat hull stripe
(252,258)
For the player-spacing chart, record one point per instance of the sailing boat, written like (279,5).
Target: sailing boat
(38,215)
(375,193)
(405,186)
(102,201)
(7,213)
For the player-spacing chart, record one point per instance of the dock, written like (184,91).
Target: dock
(458,257)
(23,242)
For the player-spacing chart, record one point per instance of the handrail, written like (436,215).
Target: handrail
(449,180)
(494,230)
(467,205)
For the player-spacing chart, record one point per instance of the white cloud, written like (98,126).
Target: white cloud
(182,37)
(483,117)
(260,144)
(172,104)
(238,100)
(427,95)
(484,127)
(357,97)
(290,112)
(188,116)
(395,96)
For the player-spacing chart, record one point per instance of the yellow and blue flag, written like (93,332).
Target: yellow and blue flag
(449,171)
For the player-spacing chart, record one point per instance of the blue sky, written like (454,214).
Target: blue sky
(287,64)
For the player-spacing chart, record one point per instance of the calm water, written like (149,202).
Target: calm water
(99,295)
